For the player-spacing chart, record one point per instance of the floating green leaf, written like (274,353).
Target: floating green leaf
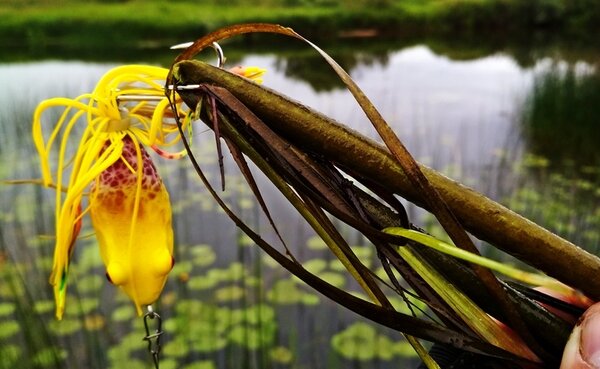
(9,328)
(131,364)
(246,203)
(89,257)
(244,240)
(6,308)
(43,306)
(259,313)
(184,266)
(203,255)
(270,262)
(229,293)
(205,364)
(40,241)
(253,337)
(10,355)
(49,356)
(315,266)
(189,307)
(336,279)
(309,299)
(64,327)
(360,341)
(90,283)
(364,253)
(282,355)
(43,263)
(208,340)
(123,313)
(176,348)
(399,304)
(81,306)
(234,272)
(285,292)
(202,282)
(404,349)
(316,243)
(168,364)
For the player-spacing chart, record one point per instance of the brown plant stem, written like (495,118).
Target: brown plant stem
(481,216)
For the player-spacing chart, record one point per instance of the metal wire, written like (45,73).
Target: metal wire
(141,97)
(153,338)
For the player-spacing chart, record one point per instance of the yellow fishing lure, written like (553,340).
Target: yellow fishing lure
(127,201)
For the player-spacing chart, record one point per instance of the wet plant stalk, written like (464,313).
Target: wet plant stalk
(482,217)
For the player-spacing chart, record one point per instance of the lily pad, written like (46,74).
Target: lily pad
(229,293)
(245,240)
(9,328)
(234,272)
(175,348)
(316,243)
(203,255)
(315,266)
(131,364)
(123,313)
(336,279)
(364,254)
(404,349)
(208,341)
(399,304)
(253,337)
(6,308)
(82,306)
(205,364)
(64,327)
(361,342)
(181,267)
(89,257)
(43,306)
(9,354)
(270,262)
(285,292)
(90,283)
(259,313)
(189,307)
(168,364)
(44,263)
(246,203)
(282,355)
(310,299)
(203,282)
(49,356)
(336,266)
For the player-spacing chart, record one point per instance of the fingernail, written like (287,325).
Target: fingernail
(590,339)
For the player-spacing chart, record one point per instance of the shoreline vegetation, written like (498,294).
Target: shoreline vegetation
(125,24)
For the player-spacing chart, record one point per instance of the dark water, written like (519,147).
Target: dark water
(523,132)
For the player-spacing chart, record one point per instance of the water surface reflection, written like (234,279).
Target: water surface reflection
(226,300)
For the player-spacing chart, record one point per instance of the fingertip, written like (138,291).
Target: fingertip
(571,358)
(590,336)
(582,350)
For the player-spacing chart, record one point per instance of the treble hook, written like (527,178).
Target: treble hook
(153,338)
(220,55)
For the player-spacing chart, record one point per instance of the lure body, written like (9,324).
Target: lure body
(128,203)
(135,236)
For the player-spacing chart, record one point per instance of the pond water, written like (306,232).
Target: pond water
(524,134)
